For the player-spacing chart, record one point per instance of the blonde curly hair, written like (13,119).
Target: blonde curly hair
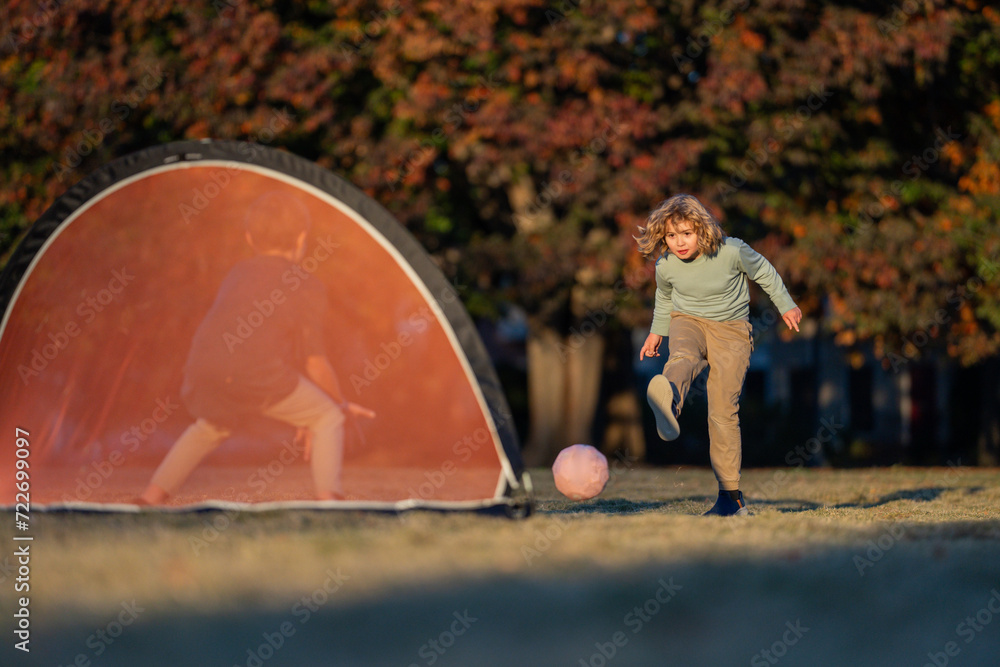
(668,214)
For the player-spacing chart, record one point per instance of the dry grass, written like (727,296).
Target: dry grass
(881,564)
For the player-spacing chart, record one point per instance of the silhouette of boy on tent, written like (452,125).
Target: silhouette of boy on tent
(259,351)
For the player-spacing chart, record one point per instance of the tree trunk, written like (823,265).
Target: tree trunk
(989,425)
(623,437)
(545,396)
(564,381)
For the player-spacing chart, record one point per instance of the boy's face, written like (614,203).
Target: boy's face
(682,240)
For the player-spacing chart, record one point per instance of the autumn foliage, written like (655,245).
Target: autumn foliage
(522,141)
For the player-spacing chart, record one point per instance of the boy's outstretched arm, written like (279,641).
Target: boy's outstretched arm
(764,274)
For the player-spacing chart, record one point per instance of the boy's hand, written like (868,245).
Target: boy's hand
(792,318)
(651,347)
(358,410)
(304,437)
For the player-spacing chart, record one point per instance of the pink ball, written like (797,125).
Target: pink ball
(581,472)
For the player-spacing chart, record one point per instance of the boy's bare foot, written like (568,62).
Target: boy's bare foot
(153,495)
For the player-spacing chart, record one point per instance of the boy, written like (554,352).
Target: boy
(279,369)
(703,302)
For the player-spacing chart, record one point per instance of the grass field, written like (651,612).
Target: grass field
(889,566)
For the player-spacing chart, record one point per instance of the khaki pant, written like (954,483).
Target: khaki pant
(307,406)
(723,347)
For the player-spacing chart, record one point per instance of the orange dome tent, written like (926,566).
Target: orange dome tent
(103,299)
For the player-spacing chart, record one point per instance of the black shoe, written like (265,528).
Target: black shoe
(726,506)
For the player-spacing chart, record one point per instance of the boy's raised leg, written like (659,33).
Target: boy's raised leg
(666,392)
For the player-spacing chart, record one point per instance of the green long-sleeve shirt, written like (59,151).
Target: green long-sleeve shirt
(715,288)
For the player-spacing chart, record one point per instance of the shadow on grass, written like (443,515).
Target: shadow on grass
(785,505)
(662,614)
(621,506)
(924,495)
(609,506)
